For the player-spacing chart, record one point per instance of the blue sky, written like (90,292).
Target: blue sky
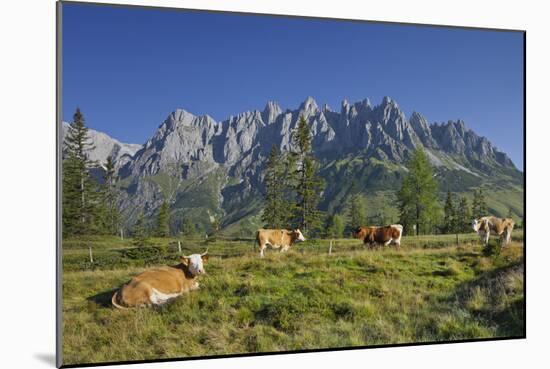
(128,68)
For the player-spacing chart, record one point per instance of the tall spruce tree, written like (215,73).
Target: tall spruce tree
(356,215)
(417,198)
(188,228)
(163,221)
(140,232)
(479,205)
(463,215)
(334,227)
(450,216)
(112,220)
(275,214)
(309,183)
(79,198)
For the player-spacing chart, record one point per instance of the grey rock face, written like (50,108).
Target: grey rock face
(187,148)
(106,146)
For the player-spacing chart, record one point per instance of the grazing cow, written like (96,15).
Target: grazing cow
(501,227)
(158,285)
(380,235)
(277,238)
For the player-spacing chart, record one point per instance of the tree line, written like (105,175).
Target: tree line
(293,189)
(90,205)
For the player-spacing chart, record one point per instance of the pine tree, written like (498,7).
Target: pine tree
(417,198)
(356,209)
(140,233)
(334,227)
(79,198)
(110,198)
(275,214)
(449,220)
(163,221)
(463,216)
(479,205)
(188,228)
(309,184)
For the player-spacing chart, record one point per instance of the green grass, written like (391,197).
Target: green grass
(430,290)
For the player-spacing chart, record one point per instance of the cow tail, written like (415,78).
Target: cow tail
(114,301)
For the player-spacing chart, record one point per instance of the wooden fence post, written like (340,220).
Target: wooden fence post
(121,234)
(91,257)
(330,248)
(179,247)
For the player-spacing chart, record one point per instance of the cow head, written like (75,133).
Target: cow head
(195,262)
(297,235)
(359,233)
(480,224)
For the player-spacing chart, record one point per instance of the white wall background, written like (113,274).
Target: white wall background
(27,181)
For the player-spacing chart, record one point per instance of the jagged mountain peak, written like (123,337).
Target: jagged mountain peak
(309,105)
(271,111)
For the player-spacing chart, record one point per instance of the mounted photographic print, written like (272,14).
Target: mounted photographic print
(235,184)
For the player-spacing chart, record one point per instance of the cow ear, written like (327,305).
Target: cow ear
(184,260)
(204,258)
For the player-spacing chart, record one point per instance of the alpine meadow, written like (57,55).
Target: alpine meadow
(244,228)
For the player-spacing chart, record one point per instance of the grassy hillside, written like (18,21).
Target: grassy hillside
(430,290)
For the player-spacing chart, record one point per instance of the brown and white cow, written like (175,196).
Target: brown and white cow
(277,238)
(501,227)
(159,285)
(380,235)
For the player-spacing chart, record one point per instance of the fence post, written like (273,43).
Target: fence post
(121,234)
(91,257)
(179,247)
(330,248)
(457,240)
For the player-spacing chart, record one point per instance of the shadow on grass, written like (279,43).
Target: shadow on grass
(103,298)
(503,307)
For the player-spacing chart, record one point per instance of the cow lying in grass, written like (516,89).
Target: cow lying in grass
(277,238)
(159,285)
(380,235)
(501,227)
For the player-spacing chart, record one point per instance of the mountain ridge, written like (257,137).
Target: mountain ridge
(188,151)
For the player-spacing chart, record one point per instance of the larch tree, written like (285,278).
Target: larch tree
(417,197)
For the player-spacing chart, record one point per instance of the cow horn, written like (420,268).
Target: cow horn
(204,253)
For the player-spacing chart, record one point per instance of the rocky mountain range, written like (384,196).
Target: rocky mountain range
(214,170)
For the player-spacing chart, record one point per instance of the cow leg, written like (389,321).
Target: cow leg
(262,248)
(387,242)
(284,249)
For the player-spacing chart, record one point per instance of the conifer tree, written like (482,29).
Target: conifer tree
(163,221)
(140,232)
(449,220)
(110,198)
(275,214)
(417,198)
(309,184)
(356,209)
(479,205)
(79,198)
(188,228)
(463,216)
(334,226)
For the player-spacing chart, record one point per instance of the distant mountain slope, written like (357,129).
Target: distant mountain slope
(207,169)
(106,146)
